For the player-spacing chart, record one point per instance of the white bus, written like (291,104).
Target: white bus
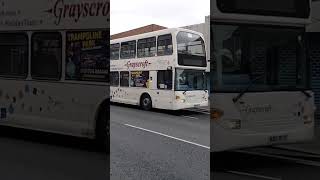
(260,74)
(54,67)
(163,69)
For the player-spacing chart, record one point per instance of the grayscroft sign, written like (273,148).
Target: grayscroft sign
(54,14)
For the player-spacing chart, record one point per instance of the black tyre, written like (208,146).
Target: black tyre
(146,102)
(102,140)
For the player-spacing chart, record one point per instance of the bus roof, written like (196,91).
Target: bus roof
(154,33)
(17,15)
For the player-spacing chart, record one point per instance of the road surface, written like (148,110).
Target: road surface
(38,156)
(159,144)
(265,164)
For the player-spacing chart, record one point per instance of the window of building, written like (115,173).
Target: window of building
(128,50)
(124,79)
(114,79)
(139,78)
(115,51)
(165,46)
(46,55)
(164,79)
(14,55)
(147,47)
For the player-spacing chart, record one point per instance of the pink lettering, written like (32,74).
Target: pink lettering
(144,64)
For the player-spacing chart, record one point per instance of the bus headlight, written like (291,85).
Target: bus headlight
(307,114)
(216,114)
(179,98)
(307,119)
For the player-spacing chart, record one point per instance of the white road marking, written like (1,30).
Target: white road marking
(200,111)
(296,160)
(161,134)
(253,175)
(191,117)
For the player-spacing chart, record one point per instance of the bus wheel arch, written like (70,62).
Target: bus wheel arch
(102,126)
(145,101)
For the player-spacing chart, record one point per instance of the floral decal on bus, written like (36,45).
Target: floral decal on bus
(12,102)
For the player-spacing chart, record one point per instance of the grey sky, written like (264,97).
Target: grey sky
(130,14)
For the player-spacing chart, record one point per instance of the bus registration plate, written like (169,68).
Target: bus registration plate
(278,139)
(197,105)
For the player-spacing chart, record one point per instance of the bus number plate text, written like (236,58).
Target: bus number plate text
(277,139)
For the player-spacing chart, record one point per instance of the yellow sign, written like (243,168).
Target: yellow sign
(85,36)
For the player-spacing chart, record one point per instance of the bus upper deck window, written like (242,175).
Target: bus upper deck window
(165,46)
(128,50)
(147,47)
(114,51)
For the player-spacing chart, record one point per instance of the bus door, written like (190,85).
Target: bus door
(152,80)
(162,84)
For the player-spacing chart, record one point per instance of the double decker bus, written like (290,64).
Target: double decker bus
(260,77)
(163,69)
(54,67)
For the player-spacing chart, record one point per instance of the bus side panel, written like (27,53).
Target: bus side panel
(125,95)
(161,99)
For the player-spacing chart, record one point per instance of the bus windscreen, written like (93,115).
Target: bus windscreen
(287,8)
(191,50)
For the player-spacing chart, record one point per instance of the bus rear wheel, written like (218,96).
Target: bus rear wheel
(146,102)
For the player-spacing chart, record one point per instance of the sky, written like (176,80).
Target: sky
(130,14)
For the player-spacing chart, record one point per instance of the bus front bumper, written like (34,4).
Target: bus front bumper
(223,139)
(184,105)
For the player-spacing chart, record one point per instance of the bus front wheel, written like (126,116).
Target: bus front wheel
(103,129)
(146,102)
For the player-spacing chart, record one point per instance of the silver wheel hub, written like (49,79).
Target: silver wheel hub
(146,101)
